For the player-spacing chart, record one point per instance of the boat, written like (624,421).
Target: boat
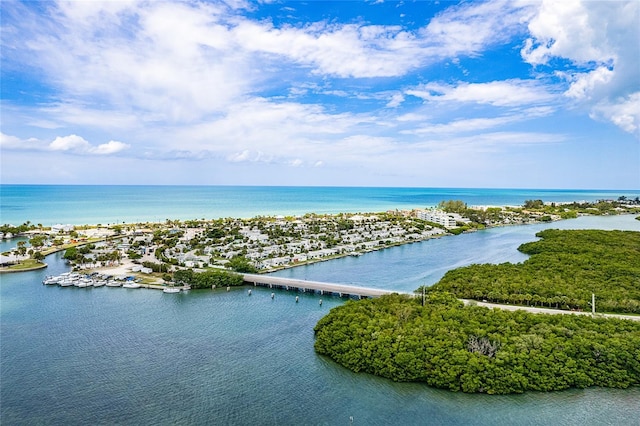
(130,284)
(83,283)
(65,283)
(113,283)
(99,283)
(50,280)
(171,290)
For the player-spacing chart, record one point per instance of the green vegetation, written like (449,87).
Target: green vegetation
(71,253)
(242,264)
(475,349)
(24,265)
(564,269)
(533,204)
(453,206)
(207,279)
(37,256)
(133,255)
(602,207)
(27,226)
(156,267)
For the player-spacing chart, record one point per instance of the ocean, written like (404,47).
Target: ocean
(79,204)
(104,356)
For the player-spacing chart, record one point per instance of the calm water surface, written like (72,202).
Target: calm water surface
(73,356)
(87,204)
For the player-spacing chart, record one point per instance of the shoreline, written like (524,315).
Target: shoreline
(282,200)
(8,270)
(358,252)
(156,283)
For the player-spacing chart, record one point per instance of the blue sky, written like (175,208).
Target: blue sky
(507,94)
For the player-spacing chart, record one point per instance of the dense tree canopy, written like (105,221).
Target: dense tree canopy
(453,206)
(474,349)
(564,269)
(207,279)
(242,264)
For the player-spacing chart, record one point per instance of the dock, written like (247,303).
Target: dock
(292,284)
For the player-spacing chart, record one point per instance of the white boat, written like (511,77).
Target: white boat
(113,283)
(83,283)
(171,290)
(51,280)
(130,285)
(99,283)
(65,283)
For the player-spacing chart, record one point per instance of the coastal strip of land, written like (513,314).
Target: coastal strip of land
(268,243)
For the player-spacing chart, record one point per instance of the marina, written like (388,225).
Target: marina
(95,279)
(74,279)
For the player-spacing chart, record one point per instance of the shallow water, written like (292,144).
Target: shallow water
(104,204)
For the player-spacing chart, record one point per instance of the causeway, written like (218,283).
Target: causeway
(293,284)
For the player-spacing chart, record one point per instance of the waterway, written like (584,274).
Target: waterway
(407,267)
(73,356)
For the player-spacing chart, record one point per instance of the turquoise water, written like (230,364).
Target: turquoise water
(51,204)
(74,356)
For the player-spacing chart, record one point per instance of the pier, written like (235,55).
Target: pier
(292,284)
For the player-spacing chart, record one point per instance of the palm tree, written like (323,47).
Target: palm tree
(22,249)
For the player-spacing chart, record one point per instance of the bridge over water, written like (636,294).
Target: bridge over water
(344,290)
(314,286)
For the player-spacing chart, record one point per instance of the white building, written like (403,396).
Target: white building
(448,220)
(56,229)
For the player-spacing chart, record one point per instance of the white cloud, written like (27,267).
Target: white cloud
(203,81)
(486,142)
(412,116)
(396,100)
(69,143)
(346,50)
(465,126)
(624,112)
(164,59)
(78,145)
(361,50)
(469,28)
(239,156)
(506,93)
(600,40)
(72,143)
(108,148)
(69,113)
(185,62)
(477,125)
(584,84)
(15,143)
(568,29)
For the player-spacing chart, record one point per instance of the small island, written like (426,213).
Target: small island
(438,340)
